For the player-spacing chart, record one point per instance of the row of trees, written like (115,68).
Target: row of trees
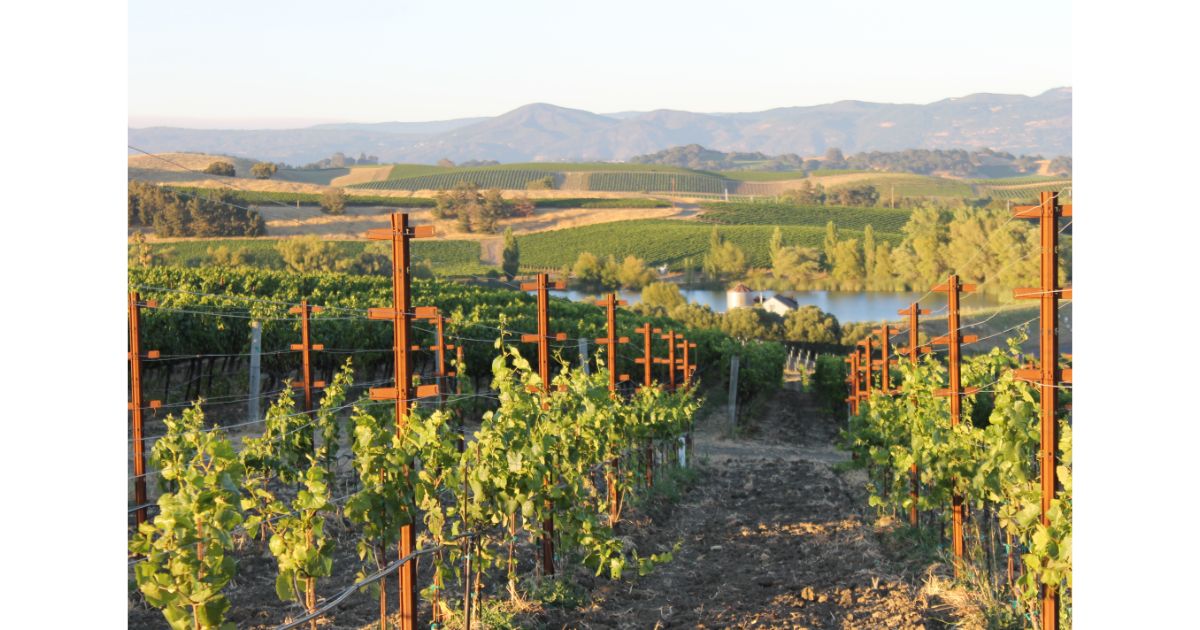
(173,213)
(978,163)
(983,246)
(475,210)
(631,273)
(807,324)
(808,194)
(260,170)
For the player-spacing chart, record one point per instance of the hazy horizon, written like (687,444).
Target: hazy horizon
(224,63)
(242,123)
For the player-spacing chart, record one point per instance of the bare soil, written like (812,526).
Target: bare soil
(771,537)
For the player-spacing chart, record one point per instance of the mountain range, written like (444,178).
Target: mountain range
(1017,124)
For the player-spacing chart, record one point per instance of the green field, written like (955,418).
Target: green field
(1019,179)
(660,241)
(908,185)
(448,258)
(657,181)
(882,219)
(586,202)
(761,176)
(1024,194)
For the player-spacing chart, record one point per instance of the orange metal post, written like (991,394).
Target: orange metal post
(399,234)
(135,404)
(542,338)
(1049,375)
(953,288)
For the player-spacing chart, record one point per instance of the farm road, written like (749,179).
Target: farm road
(771,537)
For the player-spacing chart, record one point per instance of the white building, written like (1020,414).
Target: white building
(779,305)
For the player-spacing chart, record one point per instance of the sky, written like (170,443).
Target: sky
(267,63)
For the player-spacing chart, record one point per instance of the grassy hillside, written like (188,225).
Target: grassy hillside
(660,241)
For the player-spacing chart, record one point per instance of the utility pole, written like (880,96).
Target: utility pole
(1047,212)
(953,288)
(542,286)
(135,404)
(402,394)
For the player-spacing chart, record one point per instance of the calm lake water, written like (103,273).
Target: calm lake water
(847,306)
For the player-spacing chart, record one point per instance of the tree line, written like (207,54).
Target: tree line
(978,163)
(173,213)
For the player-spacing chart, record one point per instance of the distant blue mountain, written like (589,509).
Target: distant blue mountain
(542,132)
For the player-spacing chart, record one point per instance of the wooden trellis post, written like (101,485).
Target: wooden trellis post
(853,380)
(953,288)
(610,305)
(305,347)
(884,361)
(669,360)
(135,403)
(402,394)
(1049,375)
(914,351)
(542,338)
(647,360)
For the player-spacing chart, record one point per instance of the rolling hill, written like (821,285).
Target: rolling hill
(543,132)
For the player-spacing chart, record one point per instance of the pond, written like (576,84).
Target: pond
(847,306)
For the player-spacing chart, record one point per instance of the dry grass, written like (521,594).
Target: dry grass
(309,220)
(363,175)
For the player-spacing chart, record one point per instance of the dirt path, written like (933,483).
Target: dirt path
(770,537)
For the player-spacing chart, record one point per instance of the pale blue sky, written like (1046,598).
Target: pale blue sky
(269,63)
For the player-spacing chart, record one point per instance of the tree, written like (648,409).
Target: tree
(307,253)
(750,323)
(588,268)
(847,265)
(263,170)
(834,158)
(511,257)
(224,169)
(868,249)
(663,294)
(724,259)
(882,276)
(633,273)
(776,244)
(864,195)
(809,324)
(797,266)
(831,241)
(333,201)
(807,194)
